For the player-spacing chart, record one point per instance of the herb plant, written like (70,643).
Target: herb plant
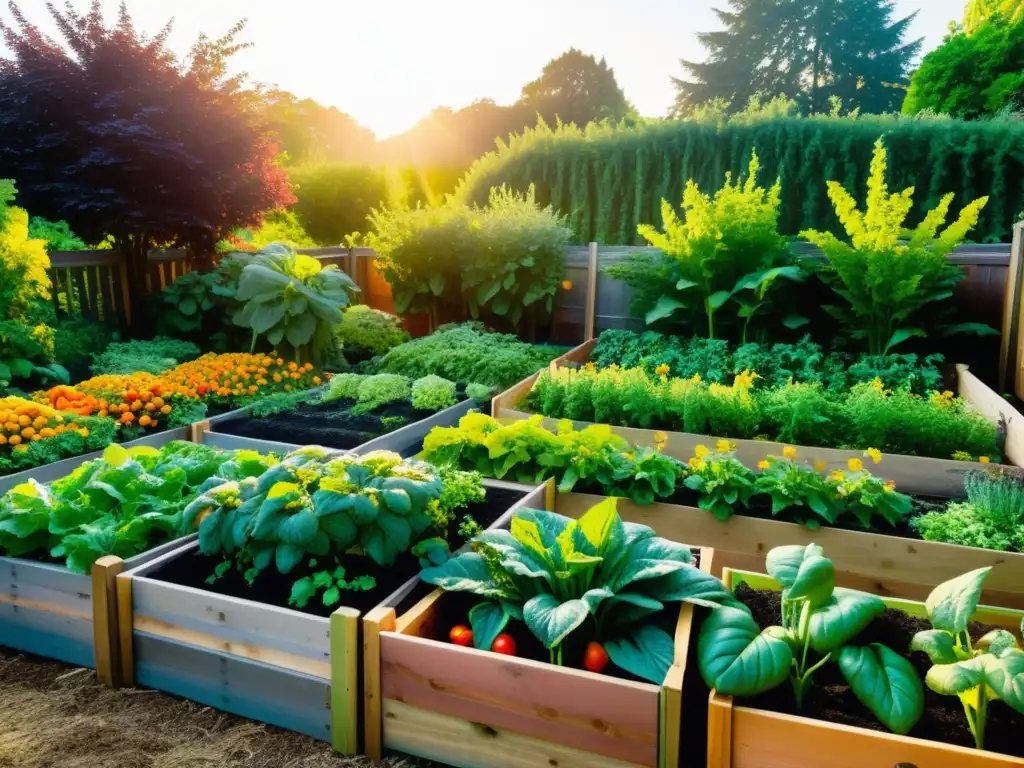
(366,332)
(433,393)
(154,356)
(375,391)
(331,583)
(981,673)
(992,517)
(479,393)
(555,574)
(819,623)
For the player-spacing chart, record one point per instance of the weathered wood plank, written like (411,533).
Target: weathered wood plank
(469,744)
(720,731)
(380,619)
(104,621)
(269,694)
(996,409)
(608,717)
(47,634)
(344,677)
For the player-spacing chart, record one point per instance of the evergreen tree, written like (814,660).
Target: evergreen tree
(810,50)
(576,88)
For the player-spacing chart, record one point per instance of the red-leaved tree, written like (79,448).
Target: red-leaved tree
(107,129)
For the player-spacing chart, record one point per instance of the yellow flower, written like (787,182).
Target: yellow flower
(820,465)
(875,454)
(789,452)
(661,370)
(724,446)
(660,440)
(695,378)
(890,485)
(855,464)
(696,463)
(984,459)
(701,450)
(763,464)
(838,475)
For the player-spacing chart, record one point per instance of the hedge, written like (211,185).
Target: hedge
(608,179)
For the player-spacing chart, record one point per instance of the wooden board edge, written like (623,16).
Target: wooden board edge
(410,622)
(344,681)
(504,403)
(106,636)
(719,731)
(125,628)
(380,619)
(197,429)
(995,408)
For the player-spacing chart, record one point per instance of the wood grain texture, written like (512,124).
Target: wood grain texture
(104,620)
(125,630)
(1009,346)
(468,744)
(197,429)
(345,681)
(996,409)
(591,306)
(873,562)
(720,714)
(380,619)
(576,709)
(419,621)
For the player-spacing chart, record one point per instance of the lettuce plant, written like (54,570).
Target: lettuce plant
(555,574)
(979,674)
(433,393)
(819,623)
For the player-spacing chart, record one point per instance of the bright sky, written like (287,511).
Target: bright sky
(390,62)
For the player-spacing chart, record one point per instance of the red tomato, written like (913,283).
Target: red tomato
(504,643)
(461,635)
(596,658)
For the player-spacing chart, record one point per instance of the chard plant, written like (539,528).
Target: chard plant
(556,574)
(990,670)
(819,624)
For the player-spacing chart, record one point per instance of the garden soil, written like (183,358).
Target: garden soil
(831,699)
(56,716)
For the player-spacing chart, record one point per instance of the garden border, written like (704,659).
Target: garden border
(475,709)
(743,737)
(272,664)
(913,474)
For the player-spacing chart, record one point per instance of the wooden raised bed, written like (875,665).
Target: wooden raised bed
(49,611)
(276,665)
(47,473)
(743,737)
(871,562)
(915,474)
(475,709)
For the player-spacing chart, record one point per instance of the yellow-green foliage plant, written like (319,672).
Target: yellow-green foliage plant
(725,250)
(892,282)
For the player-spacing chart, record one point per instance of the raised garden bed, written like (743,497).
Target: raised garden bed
(912,474)
(293,669)
(474,709)
(873,562)
(744,736)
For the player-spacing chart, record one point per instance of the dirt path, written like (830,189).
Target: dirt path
(56,716)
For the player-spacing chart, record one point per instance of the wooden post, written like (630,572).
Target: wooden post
(380,619)
(1010,376)
(197,429)
(591,305)
(345,681)
(126,301)
(125,628)
(105,619)
(719,731)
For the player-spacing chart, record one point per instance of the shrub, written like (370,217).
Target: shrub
(467,352)
(479,393)
(366,332)
(154,356)
(992,517)
(56,234)
(343,386)
(74,342)
(375,391)
(433,393)
(334,199)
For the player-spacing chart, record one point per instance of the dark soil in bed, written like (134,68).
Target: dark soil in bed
(831,699)
(332,425)
(274,588)
(454,609)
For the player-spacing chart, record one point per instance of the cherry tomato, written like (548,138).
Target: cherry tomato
(461,635)
(504,643)
(596,658)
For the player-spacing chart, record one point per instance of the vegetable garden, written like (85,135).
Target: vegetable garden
(778,518)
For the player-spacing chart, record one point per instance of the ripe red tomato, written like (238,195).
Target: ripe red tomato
(504,643)
(461,635)
(596,658)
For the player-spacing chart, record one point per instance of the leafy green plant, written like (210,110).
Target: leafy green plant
(188,301)
(819,623)
(727,248)
(279,402)
(288,299)
(980,673)
(479,393)
(93,434)
(467,352)
(459,489)
(122,504)
(366,332)
(886,284)
(375,391)
(392,422)
(992,517)
(57,235)
(343,386)
(154,356)
(331,582)
(433,393)
(554,574)
(721,479)
(794,484)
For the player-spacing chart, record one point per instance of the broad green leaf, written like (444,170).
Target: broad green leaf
(736,658)
(937,643)
(997,641)
(647,653)
(978,329)
(815,581)
(398,501)
(552,620)
(951,604)
(794,321)
(902,335)
(664,307)
(116,455)
(282,489)
(298,528)
(1004,674)
(683,284)
(846,614)
(287,556)
(718,298)
(783,563)
(487,620)
(466,572)
(954,679)
(527,533)
(436,283)
(303,591)
(886,683)
(598,522)
(140,451)
(689,585)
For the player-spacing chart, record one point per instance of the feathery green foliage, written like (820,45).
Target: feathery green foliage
(366,332)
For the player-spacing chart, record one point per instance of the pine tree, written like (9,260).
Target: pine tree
(810,50)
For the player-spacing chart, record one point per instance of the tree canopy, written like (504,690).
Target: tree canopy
(812,51)
(576,88)
(106,129)
(980,11)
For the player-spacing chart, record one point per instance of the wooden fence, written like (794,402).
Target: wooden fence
(92,284)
